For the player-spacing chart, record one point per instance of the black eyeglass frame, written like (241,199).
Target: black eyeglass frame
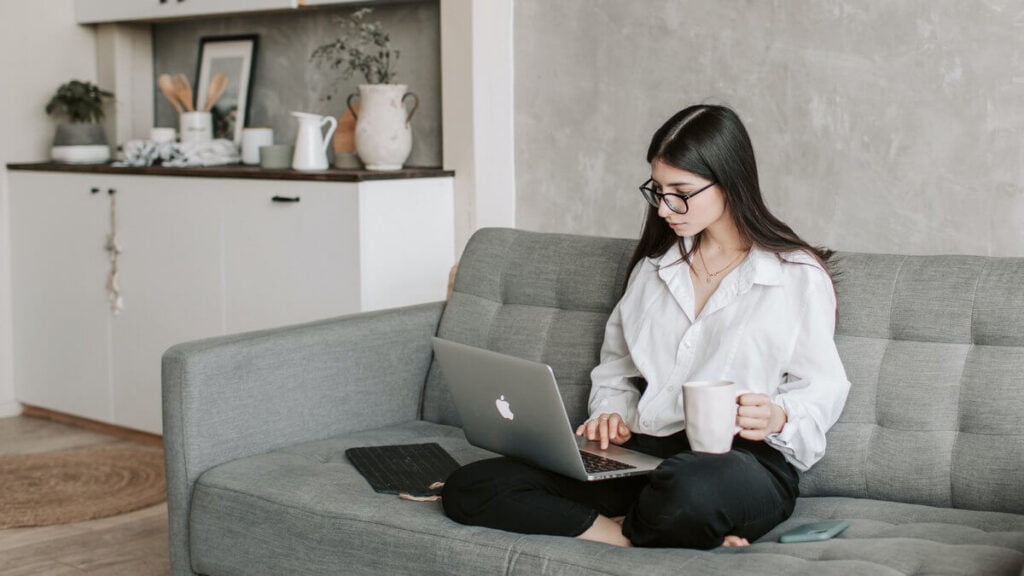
(654,197)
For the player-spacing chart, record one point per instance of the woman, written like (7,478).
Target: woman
(719,289)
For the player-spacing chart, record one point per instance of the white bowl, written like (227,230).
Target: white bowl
(92,154)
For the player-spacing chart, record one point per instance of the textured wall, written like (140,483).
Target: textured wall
(286,80)
(878,126)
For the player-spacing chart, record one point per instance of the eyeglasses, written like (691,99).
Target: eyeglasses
(675,202)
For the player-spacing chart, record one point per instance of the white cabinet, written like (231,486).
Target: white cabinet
(319,249)
(97,11)
(58,279)
(200,257)
(400,231)
(292,245)
(72,354)
(170,280)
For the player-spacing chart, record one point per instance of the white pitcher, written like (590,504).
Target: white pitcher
(311,143)
(383,135)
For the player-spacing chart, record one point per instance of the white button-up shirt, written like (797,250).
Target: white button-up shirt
(769,327)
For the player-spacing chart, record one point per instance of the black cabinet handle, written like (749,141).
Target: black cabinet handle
(284,199)
(94,191)
(111,191)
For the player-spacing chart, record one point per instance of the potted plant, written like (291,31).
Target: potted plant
(383,138)
(79,137)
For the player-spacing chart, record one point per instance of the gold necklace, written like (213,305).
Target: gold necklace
(710,276)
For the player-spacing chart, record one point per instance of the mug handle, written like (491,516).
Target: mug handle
(415,105)
(348,102)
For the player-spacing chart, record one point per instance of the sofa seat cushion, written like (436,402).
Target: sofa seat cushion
(306,510)
(907,538)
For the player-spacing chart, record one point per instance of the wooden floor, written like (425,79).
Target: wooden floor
(133,544)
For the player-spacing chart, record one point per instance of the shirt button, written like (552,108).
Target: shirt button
(686,344)
(646,423)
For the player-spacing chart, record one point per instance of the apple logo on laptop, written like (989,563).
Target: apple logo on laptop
(503,408)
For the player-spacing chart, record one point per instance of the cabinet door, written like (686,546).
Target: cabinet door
(170,278)
(58,287)
(291,253)
(407,241)
(95,11)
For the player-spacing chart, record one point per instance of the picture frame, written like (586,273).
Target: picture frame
(235,57)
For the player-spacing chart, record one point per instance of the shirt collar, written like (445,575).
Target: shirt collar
(759,267)
(669,263)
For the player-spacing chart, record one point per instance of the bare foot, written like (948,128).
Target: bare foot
(731,541)
(606,530)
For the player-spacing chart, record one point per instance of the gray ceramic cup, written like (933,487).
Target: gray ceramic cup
(276,156)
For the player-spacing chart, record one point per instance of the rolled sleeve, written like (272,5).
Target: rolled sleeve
(815,388)
(611,390)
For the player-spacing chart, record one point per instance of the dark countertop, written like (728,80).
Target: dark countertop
(238,171)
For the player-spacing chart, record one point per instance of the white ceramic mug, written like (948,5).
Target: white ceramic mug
(196,127)
(252,140)
(710,412)
(161,135)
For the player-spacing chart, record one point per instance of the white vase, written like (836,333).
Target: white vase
(383,135)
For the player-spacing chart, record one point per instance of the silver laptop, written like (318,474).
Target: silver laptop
(512,406)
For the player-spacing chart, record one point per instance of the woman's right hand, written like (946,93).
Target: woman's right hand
(606,428)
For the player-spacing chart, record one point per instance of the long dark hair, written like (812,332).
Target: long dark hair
(711,142)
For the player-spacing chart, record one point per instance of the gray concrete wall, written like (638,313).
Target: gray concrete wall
(286,80)
(879,126)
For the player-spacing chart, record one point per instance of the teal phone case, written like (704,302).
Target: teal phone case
(815,532)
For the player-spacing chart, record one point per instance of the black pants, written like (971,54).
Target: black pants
(692,500)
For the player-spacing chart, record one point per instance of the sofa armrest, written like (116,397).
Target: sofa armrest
(234,396)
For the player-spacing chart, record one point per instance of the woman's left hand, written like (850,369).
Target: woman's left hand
(757,416)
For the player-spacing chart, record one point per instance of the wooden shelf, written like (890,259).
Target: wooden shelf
(239,171)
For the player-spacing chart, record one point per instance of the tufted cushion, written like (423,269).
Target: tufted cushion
(934,349)
(544,297)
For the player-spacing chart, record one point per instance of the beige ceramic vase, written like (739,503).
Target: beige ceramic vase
(383,134)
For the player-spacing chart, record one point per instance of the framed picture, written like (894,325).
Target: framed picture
(224,82)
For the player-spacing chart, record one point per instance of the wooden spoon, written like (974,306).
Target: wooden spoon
(218,84)
(344,141)
(166,85)
(184,91)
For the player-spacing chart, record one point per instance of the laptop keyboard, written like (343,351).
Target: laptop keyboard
(594,463)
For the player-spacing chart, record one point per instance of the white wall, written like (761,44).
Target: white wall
(477,112)
(40,48)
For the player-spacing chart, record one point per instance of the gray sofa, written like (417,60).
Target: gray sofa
(927,461)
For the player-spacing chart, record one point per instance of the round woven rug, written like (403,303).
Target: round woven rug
(82,484)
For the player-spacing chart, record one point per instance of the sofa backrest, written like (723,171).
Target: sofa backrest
(544,297)
(933,347)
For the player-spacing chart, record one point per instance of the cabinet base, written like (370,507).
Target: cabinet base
(93,425)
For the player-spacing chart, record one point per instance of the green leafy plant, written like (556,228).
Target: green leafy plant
(78,101)
(362,47)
